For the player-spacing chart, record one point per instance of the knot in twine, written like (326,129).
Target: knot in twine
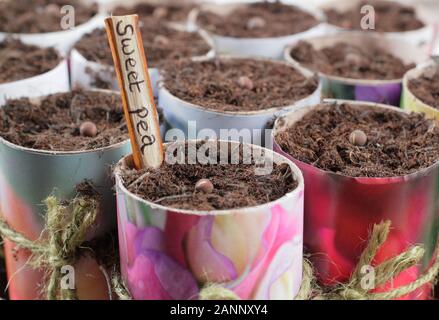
(65,230)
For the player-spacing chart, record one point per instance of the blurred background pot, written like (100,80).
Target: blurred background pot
(255,252)
(341,210)
(62,40)
(27,177)
(271,47)
(422,37)
(55,80)
(379,91)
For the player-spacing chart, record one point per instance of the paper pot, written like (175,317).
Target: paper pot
(29,176)
(181,114)
(409,101)
(421,38)
(55,80)
(62,40)
(109,6)
(340,212)
(379,91)
(262,47)
(168,253)
(85,73)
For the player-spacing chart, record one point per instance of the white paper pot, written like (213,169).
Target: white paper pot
(262,47)
(61,40)
(55,80)
(84,73)
(422,37)
(179,113)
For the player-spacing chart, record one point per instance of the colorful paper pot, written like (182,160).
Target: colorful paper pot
(262,47)
(182,115)
(379,91)
(168,253)
(86,74)
(421,38)
(340,212)
(62,40)
(409,101)
(55,80)
(29,176)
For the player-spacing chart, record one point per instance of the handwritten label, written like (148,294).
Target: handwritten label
(132,71)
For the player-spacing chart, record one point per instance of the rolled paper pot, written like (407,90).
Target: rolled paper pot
(167,253)
(340,212)
(110,5)
(85,73)
(55,80)
(27,177)
(379,91)
(262,47)
(62,40)
(422,38)
(409,101)
(180,113)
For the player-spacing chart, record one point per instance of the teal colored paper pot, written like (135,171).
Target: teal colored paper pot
(170,254)
(378,91)
(29,176)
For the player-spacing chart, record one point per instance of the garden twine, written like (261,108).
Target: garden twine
(65,230)
(67,226)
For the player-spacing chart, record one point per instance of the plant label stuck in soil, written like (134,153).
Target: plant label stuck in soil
(135,86)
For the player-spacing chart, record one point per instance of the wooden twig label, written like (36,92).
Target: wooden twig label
(135,86)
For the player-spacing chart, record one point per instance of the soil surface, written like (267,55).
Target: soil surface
(259,20)
(161,43)
(397,143)
(389,17)
(234,185)
(20,61)
(39,16)
(168,12)
(426,87)
(237,84)
(351,61)
(55,123)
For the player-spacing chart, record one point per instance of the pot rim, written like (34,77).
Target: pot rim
(362,180)
(413,74)
(277,158)
(305,73)
(98,16)
(352,3)
(204,35)
(65,153)
(193,17)
(63,63)
(344,37)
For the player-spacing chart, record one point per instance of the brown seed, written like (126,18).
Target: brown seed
(160,40)
(255,23)
(88,129)
(358,138)
(204,185)
(245,82)
(160,12)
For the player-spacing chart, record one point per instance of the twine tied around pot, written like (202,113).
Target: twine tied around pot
(66,226)
(352,290)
